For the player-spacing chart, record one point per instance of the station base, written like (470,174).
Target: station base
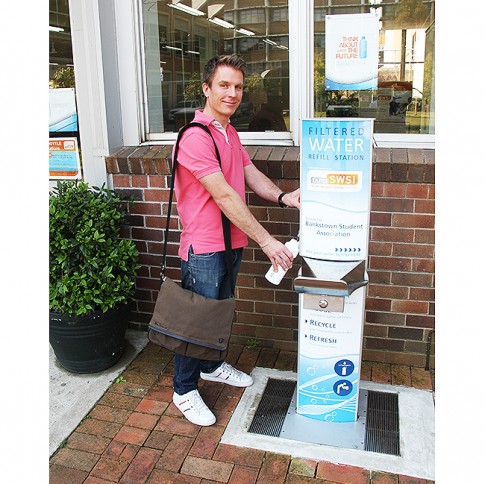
(376,428)
(350,435)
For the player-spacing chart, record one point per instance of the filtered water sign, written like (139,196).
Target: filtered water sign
(335,178)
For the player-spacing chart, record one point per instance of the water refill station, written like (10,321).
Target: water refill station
(324,411)
(335,183)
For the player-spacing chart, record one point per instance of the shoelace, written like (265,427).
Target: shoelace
(197,402)
(232,371)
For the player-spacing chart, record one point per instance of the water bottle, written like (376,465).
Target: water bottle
(275,277)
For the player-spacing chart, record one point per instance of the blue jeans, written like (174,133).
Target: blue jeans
(205,274)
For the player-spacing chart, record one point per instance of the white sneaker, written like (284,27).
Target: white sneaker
(227,374)
(194,408)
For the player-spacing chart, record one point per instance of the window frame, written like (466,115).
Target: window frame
(301,33)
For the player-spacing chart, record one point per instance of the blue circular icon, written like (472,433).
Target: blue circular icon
(342,387)
(344,367)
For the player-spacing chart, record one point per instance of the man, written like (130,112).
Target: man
(202,191)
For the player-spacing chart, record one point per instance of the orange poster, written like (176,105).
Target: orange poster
(64,159)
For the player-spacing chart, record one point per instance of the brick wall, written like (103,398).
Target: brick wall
(399,325)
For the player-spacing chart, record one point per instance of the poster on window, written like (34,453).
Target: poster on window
(62,111)
(351,51)
(64,159)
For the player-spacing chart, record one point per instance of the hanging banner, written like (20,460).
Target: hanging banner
(351,51)
(335,184)
(64,159)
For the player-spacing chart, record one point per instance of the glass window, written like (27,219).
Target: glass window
(63,119)
(61,69)
(404,99)
(251,16)
(180,37)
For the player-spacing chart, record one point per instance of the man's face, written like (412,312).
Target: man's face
(225,93)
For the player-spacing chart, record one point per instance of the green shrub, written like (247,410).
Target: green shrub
(92,267)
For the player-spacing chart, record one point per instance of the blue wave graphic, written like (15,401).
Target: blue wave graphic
(368,84)
(317,386)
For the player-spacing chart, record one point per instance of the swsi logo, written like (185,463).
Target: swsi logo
(340,179)
(334,180)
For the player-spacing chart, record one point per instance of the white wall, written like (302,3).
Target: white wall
(104,51)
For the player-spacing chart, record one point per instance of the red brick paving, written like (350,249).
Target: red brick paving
(343,473)
(242,456)
(401,375)
(152,406)
(206,442)
(175,453)
(61,474)
(274,468)
(121,450)
(303,467)
(207,469)
(134,434)
(110,414)
(75,459)
(142,421)
(89,443)
(110,469)
(244,475)
(141,466)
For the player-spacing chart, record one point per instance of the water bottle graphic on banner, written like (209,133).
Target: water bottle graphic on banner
(363,48)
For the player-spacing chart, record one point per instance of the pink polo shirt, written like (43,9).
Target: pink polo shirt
(199,214)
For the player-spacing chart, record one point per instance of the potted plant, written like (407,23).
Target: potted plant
(91,276)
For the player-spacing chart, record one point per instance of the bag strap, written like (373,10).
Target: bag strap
(225,221)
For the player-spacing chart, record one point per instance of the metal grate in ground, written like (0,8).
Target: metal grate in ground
(382,423)
(271,412)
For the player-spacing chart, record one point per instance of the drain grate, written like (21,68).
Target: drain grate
(382,423)
(272,409)
(380,432)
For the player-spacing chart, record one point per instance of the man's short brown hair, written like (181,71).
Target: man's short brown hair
(232,60)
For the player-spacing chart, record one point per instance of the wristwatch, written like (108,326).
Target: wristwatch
(280,199)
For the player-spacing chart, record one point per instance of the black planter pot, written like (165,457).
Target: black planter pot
(90,343)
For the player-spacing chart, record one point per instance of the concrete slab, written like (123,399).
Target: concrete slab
(416,424)
(72,396)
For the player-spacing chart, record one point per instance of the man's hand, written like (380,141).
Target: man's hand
(278,254)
